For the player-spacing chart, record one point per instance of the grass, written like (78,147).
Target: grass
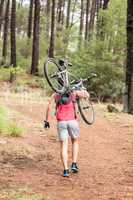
(11,192)
(24,80)
(14,129)
(7,126)
(4,74)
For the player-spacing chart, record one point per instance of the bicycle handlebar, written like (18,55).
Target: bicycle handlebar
(84,80)
(90,77)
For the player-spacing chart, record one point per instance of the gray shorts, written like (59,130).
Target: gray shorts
(68,128)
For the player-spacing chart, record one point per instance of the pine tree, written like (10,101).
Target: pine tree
(129,67)
(35,45)
(87,19)
(48,18)
(13,33)
(81,27)
(1,12)
(52,37)
(5,34)
(13,39)
(68,14)
(30,17)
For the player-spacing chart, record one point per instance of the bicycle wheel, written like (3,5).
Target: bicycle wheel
(53,75)
(86,110)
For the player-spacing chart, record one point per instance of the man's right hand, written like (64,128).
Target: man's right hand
(46,124)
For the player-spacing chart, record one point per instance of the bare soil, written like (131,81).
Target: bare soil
(105,157)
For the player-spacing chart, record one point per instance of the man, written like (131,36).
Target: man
(67,126)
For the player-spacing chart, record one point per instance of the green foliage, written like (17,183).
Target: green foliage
(36,82)
(109,82)
(21,19)
(16,70)
(24,64)
(4,74)
(104,55)
(7,126)
(24,48)
(14,129)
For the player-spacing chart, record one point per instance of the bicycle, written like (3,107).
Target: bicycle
(62,81)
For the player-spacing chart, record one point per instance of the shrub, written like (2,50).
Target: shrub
(7,126)
(14,129)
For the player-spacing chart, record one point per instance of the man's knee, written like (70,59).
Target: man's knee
(75,140)
(64,142)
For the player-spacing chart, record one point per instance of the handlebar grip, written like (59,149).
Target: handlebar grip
(70,64)
(93,74)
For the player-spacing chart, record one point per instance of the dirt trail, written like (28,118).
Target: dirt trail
(105,160)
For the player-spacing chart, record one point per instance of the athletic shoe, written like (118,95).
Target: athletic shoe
(66,173)
(74,168)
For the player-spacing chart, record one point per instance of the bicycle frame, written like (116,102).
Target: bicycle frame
(65,78)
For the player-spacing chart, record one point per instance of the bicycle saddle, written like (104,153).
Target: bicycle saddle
(62,62)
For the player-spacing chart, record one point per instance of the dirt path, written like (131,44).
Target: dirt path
(105,160)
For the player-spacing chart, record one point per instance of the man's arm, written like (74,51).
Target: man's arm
(82,93)
(48,107)
(46,121)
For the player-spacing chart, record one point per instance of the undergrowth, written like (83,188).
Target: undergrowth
(7,125)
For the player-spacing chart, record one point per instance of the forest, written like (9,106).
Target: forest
(95,36)
(90,34)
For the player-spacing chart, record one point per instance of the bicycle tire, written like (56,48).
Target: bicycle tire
(58,87)
(86,110)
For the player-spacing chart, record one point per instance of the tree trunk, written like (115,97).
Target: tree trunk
(102,21)
(59,11)
(92,18)
(13,33)
(100,3)
(87,19)
(48,18)
(129,66)
(59,25)
(52,37)
(30,17)
(73,12)
(81,26)
(105,4)
(1,13)
(5,34)
(13,40)
(20,4)
(98,6)
(35,47)
(68,13)
(81,18)
(63,11)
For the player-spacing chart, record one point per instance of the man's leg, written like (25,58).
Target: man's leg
(64,153)
(75,149)
(74,134)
